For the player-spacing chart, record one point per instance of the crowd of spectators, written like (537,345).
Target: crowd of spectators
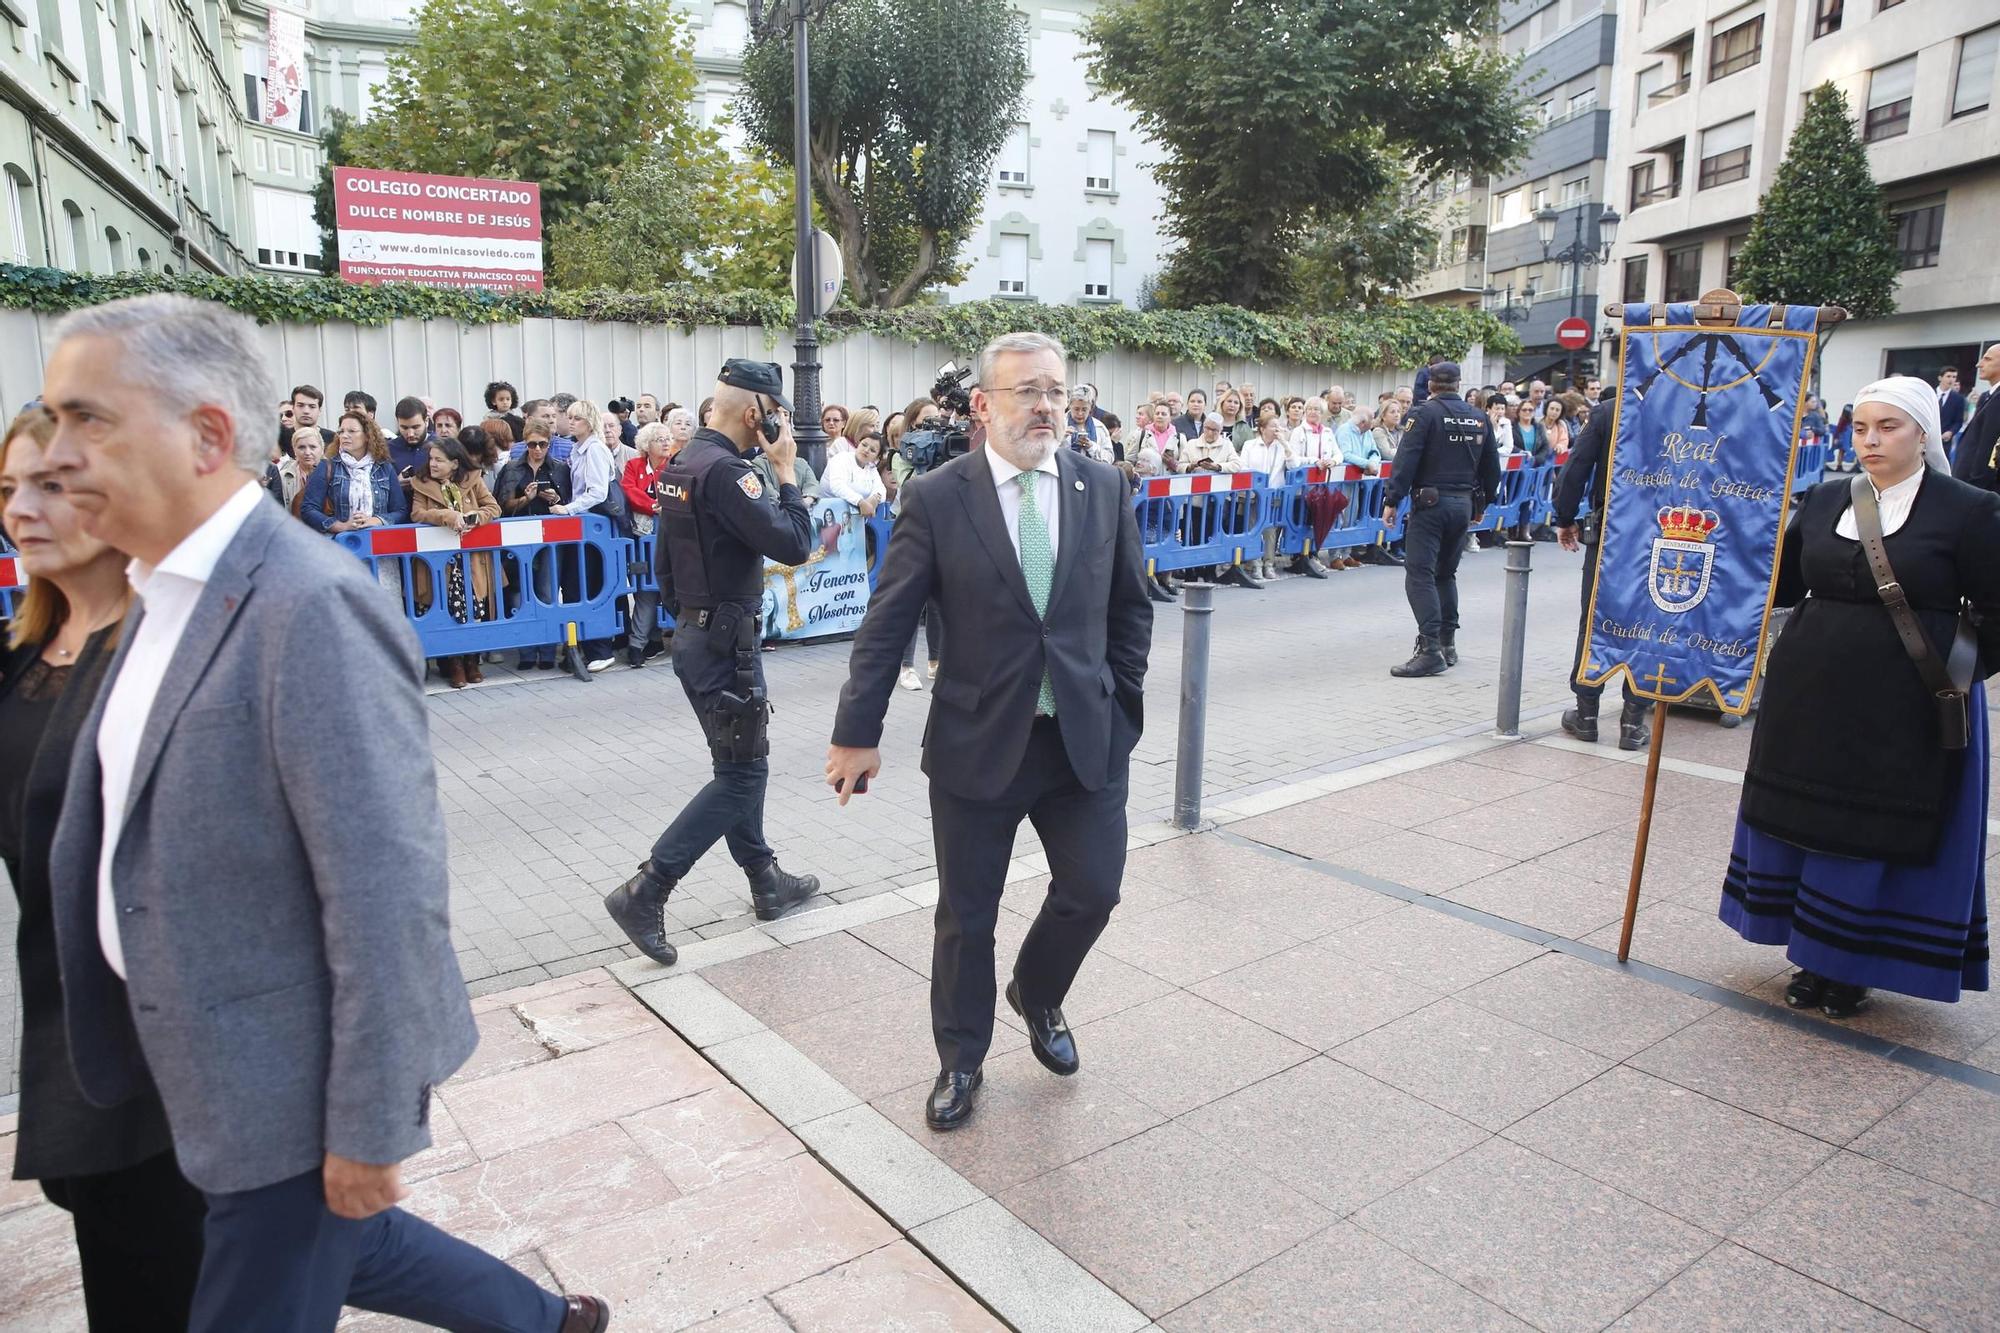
(565,455)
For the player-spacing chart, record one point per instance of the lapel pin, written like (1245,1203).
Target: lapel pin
(1079,485)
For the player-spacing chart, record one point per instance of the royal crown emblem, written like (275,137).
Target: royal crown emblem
(1683,557)
(1685,523)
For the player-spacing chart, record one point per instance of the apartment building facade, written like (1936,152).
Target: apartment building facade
(1713,90)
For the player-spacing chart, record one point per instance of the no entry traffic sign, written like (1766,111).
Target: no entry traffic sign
(1573,333)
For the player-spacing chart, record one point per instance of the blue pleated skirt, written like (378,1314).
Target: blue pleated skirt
(1916,930)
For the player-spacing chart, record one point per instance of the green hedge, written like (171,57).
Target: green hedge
(1394,336)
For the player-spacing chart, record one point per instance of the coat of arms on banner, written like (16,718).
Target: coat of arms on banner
(1683,559)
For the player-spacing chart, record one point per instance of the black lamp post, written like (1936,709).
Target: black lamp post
(1577,254)
(805,343)
(1508,309)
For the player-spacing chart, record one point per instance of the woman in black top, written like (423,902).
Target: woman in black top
(138,1222)
(1861,840)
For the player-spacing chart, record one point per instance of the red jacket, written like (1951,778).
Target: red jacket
(638,483)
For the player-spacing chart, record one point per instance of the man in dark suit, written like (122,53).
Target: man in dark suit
(1031,555)
(1972,458)
(253,928)
(1951,405)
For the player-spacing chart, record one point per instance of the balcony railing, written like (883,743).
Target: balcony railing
(1657,195)
(1671,91)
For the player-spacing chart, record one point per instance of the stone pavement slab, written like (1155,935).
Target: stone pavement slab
(1393,1080)
(622,1164)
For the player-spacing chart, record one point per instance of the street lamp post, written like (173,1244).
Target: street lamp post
(805,342)
(1577,255)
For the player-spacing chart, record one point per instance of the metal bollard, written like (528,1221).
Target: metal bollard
(1514,638)
(1198,602)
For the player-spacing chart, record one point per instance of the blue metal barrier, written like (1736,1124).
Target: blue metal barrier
(13,580)
(545,575)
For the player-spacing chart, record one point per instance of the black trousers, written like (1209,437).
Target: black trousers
(138,1241)
(1583,629)
(731,805)
(1083,833)
(1433,539)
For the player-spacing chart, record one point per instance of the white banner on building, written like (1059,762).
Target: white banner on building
(285,69)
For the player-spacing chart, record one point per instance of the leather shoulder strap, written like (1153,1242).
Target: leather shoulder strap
(1868,525)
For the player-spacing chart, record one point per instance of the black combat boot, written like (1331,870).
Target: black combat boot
(639,906)
(1581,721)
(1448,644)
(774,892)
(1427,661)
(1633,732)
(1241,577)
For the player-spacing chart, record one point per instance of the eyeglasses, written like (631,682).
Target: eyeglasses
(1028,396)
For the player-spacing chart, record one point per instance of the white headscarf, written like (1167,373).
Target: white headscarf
(1917,400)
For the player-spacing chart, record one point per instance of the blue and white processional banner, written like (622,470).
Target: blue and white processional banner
(1705,437)
(828,594)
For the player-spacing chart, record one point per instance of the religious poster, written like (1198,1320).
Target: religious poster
(828,594)
(1704,443)
(285,69)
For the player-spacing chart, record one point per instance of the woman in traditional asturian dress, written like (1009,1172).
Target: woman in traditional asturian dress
(1861,839)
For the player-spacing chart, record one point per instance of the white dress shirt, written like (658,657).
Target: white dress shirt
(590,477)
(168,593)
(1894,503)
(1048,497)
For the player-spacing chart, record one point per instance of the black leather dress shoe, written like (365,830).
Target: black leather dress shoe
(951,1099)
(585,1314)
(639,906)
(1047,1033)
(1806,989)
(1843,999)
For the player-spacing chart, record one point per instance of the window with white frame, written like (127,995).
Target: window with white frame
(1575,191)
(114,245)
(1973,89)
(1097,256)
(1100,155)
(1890,89)
(1013,264)
(18,205)
(1510,209)
(79,237)
(1014,155)
(1650,80)
(1725,153)
(1583,101)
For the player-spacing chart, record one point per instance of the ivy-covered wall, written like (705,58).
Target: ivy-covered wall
(1353,341)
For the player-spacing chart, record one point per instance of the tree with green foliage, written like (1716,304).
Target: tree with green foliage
(910,103)
(1349,261)
(1317,108)
(1821,235)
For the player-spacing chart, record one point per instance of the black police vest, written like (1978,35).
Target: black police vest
(701,575)
(1452,459)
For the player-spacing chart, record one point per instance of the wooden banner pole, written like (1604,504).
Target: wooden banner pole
(1645,830)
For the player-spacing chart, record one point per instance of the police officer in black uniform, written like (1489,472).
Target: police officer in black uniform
(1448,466)
(718,524)
(1583,476)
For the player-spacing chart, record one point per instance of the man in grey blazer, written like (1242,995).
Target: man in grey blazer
(1031,554)
(251,920)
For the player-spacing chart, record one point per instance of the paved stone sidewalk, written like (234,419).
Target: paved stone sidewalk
(1361,1058)
(553,790)
(594,1148)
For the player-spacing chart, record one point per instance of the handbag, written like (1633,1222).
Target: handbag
(1949,682)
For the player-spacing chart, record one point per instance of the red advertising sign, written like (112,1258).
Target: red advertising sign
(444,231)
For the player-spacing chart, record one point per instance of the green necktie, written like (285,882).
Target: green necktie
(1038,564)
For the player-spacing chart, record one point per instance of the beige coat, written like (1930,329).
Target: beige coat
(429,505)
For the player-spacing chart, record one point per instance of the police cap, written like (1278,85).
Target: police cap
(1445,370)
(758,377)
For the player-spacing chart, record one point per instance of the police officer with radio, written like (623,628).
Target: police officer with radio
(718,523)
(1582,478)
(1448,466)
